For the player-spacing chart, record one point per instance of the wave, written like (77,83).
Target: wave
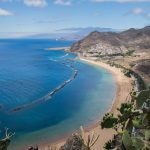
(64,55)
(56,60)
(52,59)
(50,94)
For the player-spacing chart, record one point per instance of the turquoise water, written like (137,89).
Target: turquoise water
(28,75)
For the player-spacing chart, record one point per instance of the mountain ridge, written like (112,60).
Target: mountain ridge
(112,42)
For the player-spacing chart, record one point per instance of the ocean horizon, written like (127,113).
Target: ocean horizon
(45,95)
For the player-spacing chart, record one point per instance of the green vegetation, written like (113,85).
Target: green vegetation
(126,140)
(142,97)
(133,120)
(101,55)
(132,124)
(137,143)
(128,72)
(129,52)
(147,135)
(109,121)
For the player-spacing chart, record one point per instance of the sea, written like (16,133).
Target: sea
(46,95)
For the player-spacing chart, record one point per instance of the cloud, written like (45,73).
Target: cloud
(41,3)
(44,22)
(120,1)
(140,12)
(4,12)
(35,3)
(148,15)
(48,21)
(137,11)
(95,14)
(63,2)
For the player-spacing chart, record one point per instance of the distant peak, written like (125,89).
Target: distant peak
(94,33)
(147,27)
(130,30)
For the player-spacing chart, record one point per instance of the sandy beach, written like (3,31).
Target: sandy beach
(124,87)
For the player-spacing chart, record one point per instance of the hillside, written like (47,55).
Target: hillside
(130,48)
(110,43)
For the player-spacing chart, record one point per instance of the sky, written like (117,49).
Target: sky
(49,16)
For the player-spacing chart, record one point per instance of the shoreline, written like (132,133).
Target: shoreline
(117,74)
(123,88)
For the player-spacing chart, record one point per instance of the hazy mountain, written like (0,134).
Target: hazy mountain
(62,34)
(71,33)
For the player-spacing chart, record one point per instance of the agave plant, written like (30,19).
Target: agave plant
(74,142)
(90,139)
(4,143)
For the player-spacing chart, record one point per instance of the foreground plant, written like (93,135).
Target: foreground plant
(80,141)
(4,143)
(134,126)
(90,139)
(73,142)
(33,148)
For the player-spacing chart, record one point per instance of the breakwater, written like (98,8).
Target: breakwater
(51,93)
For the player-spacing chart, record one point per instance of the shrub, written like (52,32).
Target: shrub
(142,97)
(147,135)
(108,121)
(127,141)
(138,143)
(137,122)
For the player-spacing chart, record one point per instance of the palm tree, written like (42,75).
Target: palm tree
(109,145)
(109,121)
